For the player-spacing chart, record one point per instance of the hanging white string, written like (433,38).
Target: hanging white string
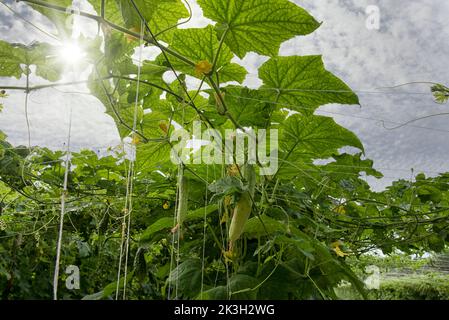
(119,272)
(223,234)
(172,256)
(61,219)
(126,224)
(224,243)
(204,233)
(133,158)
(176,227)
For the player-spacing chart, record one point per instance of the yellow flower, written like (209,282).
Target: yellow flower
(233,170)
(203,67)
(135,140)
(229,255)
(166,205)
(224,218)
(340,210)
(336,247)
(130,38)
(163,126)
(227,200)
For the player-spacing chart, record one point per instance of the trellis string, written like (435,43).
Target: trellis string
(61,219)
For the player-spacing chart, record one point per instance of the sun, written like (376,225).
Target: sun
(71,53)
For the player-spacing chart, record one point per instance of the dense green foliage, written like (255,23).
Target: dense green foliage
(423,287)
(406,287)
(401,277)
(305,219)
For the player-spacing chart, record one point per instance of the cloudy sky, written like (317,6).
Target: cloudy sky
(411,45)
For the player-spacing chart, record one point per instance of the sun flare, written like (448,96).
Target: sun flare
(71,53)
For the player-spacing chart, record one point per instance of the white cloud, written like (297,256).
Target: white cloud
(410,46)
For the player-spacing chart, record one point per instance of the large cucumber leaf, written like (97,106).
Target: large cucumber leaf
(258,25)
(303,84)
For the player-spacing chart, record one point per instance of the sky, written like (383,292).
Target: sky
(410,45)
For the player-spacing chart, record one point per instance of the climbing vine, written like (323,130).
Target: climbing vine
(200,230)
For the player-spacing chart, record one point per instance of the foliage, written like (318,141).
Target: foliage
(440,93)
(406,287)
(401,278)
(422,287)
(392,262)
(305,220)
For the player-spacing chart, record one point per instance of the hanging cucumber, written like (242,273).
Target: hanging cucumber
(182,200)
(183,197)
(243,207)
(219,104)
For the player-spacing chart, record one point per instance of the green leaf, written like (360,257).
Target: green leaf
(202,45)
(161,15)
(199,213)
(226,185)
(161,224)
(346,165)
(61,20)
(440,93)
(101,89)
(167,222)
(263,226)
(302,84)
(250,108)
(110,289)
(436,243)
(140,265)
(280,285)
(84,249)
(150,73)
(258,25)
(43,56)
(429,193)
(305,138)
(156,125)
(243,287)
(3,94)
(187,277)
(153,156)
(203,173)
(183,113)
(94,296)
(117,55)
(112,11)
(10,59)
(299,242)
(216,293)
(49,64)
